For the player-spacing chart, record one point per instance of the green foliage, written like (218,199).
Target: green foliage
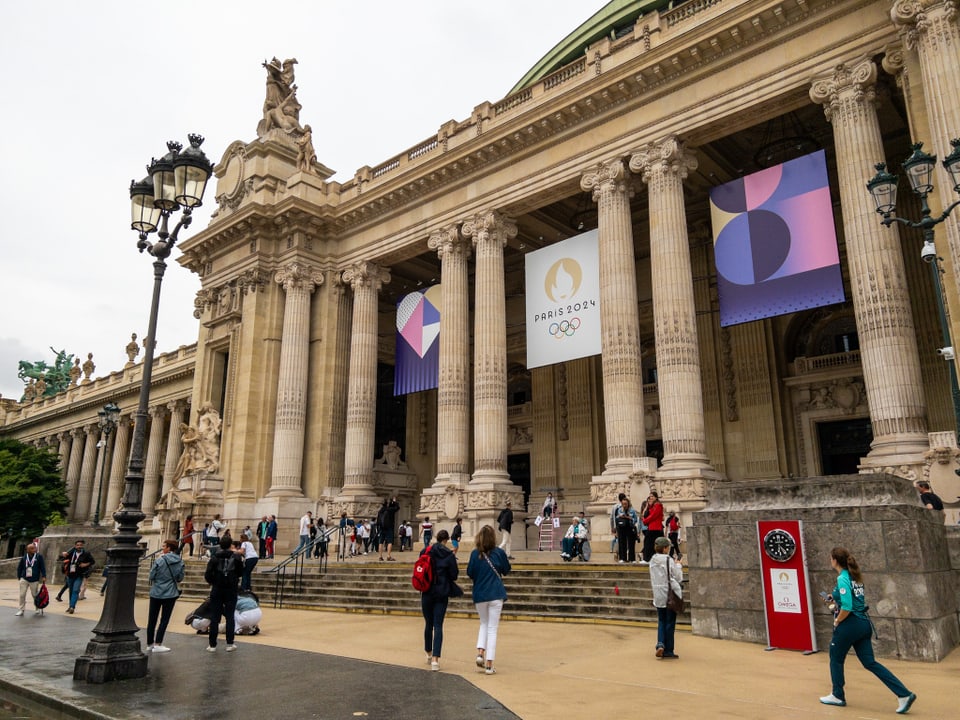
(31,490)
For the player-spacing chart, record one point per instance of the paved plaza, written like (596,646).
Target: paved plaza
(342,665)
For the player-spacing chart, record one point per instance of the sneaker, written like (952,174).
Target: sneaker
(69,611)
(211,649)
(905,703)
(642,562)
(659,651)
(231,648)
(435,666)
(59,599)
(160,649)
(490,671)
(621,561)
(38,612)
(832,700)
(670,656)
(479,661)
(18,613)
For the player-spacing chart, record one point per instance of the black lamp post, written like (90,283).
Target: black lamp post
(883,187)
(109,417)
(177,181)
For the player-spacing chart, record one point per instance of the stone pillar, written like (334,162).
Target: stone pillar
(72,478)
(100,475)
(664,166)
(151,471)
(299,281)
(174,444)
(453,391)
(366,279)
(63,450)
(490,231)
(888,346)
(930,28)
(620,319)
(118,465)
(340,381)
(88,472)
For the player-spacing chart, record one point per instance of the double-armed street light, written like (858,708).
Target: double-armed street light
(919,168)
(108,419)
(176,182)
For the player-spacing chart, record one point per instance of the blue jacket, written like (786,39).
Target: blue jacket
(487,584)
(445,572)
(165,573)
(39,569)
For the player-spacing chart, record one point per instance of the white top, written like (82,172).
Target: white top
(248,550)
(305,525)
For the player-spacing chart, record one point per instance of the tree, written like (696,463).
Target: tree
(31,489)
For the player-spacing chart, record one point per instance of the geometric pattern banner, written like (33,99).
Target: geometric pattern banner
(418,345)
(775,243)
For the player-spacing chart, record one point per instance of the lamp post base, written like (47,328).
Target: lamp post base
(118,659)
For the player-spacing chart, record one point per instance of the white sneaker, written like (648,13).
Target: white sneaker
(642,562)
(831,700)
(160,648)
(435,666)
(905,703)
(38,612)
(211,649)
(621,561)
(18,613)
(231,648)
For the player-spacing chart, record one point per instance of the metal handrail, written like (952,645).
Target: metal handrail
(298,560)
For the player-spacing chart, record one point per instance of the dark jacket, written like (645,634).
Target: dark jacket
(445,572)
(487,584)
(214,577)
(505,519)
(82,563)
(39,569)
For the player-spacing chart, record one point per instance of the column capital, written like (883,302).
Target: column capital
(157,412)
(894,61)
(489,225)
(297,276)
(177,405)
(847,82)
(669,155)
(606,176)
(448,240)
(92,429)
(366,274)
(913,17)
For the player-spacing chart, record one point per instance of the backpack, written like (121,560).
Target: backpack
(225,573)
(43,597)
(423,573)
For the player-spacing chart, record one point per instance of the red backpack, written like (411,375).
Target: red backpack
(423,573)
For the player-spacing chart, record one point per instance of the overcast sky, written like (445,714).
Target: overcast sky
(93,90)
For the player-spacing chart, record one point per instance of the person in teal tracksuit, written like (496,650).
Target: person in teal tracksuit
(852,629)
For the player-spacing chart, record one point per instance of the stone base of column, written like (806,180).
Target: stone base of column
(490,477)
(357,501)
(910,467)
(457,479)
(442,504)
(483,503)
(284,491)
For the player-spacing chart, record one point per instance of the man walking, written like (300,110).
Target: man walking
(505,521)
(223,575)
(78,562)
(30,573)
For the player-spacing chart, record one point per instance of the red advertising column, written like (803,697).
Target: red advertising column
(786,586)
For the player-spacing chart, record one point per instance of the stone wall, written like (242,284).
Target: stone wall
(910,561)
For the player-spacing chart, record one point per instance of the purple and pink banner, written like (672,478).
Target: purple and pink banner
(775,242)
(418,341)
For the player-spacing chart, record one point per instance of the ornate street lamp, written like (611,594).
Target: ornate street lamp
(109,417)
(177,182)
(919,169)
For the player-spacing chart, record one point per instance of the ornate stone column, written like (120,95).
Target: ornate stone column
(72,479)
(453,391)
(151,472)
(63,450)
(664,166)
(366,279)
(490,231)
(174,444)
(118,466)
(930,28)
(298,281)
(888,347)
(88,472)
(620,320)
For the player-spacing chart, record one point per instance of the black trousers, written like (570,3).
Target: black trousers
(223,603)
(626,543)
(162,609)
(649,538)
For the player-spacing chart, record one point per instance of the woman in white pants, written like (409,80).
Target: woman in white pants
(487,566)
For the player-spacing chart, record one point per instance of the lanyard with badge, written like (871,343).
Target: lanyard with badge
(74,558)
(28,572)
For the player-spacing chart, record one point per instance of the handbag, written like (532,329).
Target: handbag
(674,601)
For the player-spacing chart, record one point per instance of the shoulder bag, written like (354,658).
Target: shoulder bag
(674,601)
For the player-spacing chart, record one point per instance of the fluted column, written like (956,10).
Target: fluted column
(151,472)
(453,390)
(664,166)
(118,465)
(298,281)
(88,472)
(73,469)
(174,444)
(366,279)
(619,319)
(930,28)
(63,450)
(490,231)
(888,347)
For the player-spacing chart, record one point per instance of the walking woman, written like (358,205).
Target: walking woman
(434,601)
(852,628)
(166,572)
(665,573)
(487,566)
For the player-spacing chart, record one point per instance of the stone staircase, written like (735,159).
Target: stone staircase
(542,592)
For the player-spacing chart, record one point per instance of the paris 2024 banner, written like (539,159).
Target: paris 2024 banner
(775,242)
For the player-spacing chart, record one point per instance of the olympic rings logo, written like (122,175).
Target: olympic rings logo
(564,328)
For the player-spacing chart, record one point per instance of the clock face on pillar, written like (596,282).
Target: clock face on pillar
(779,545)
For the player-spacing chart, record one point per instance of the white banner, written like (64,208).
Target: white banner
(563,301)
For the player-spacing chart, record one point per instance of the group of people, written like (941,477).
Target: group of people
(650,523)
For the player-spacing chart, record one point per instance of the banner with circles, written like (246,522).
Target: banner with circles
(563,301)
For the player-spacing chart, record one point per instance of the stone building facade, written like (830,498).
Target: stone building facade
(624,127)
